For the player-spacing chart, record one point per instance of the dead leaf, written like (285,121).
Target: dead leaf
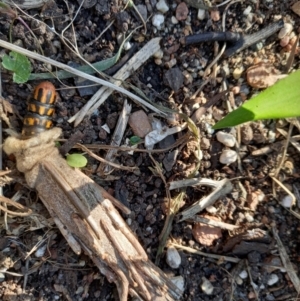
(263,75)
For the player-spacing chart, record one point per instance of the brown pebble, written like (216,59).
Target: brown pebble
(246,134)
(182,11)
(205,143)
(102,134)
(111,120)
(139,123)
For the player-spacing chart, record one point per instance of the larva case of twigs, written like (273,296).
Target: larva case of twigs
(89,220)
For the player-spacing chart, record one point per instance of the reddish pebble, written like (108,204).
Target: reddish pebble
(215,15)
(284,41)
(182,11)
(236,90)
(206,235)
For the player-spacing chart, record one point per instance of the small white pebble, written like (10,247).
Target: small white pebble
(206,286)
(287,201)
(226,139)
(286,30)
(201,14)
(158,54)
(179,282)
(162,6)
(237,72)
(158,20)
(158,61)
(250,17)
(228,156)
(239,280)
(243,274)
(209,128)
(129,221)
(273,279)
(249,218)
(127,46)
(173,258)
(247,11)
(40,252)
(174,20)
(211,209)
(79,290)
(271,136)
(106,128)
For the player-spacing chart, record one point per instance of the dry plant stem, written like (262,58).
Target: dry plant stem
(284,150)
(221,188)
(211,222)
(286,261)
(14,204)
(127,70)
(182,140)
(27,4)
(284,188)
(116,138)
(107,84)
(252,283)
(115,165)
(293,139)
(214,256)
(78,204)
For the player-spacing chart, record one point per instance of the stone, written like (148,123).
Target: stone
(226,138)
(182,11)
(228,156)
(174,79)
(140,124)
(158,20)
(201,14)
(273,279)
(205,234)
(173,258)
(206,286)
(162,6)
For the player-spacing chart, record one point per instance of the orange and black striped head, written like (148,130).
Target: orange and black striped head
(40,110)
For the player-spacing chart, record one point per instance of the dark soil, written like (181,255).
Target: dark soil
(58,274)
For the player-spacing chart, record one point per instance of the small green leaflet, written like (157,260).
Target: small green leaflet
(19,64)
(76,160)
(134,140)
(282,100)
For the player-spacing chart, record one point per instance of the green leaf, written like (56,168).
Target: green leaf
(282,100)
(134,140)
(76,160)
(19,64)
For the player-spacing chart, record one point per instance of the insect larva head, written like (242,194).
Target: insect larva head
(45,93)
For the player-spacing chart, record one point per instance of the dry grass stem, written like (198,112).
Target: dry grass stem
(214,256)
(127,70)
(221,188)
(116,138)
(211,222)
(286,261)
